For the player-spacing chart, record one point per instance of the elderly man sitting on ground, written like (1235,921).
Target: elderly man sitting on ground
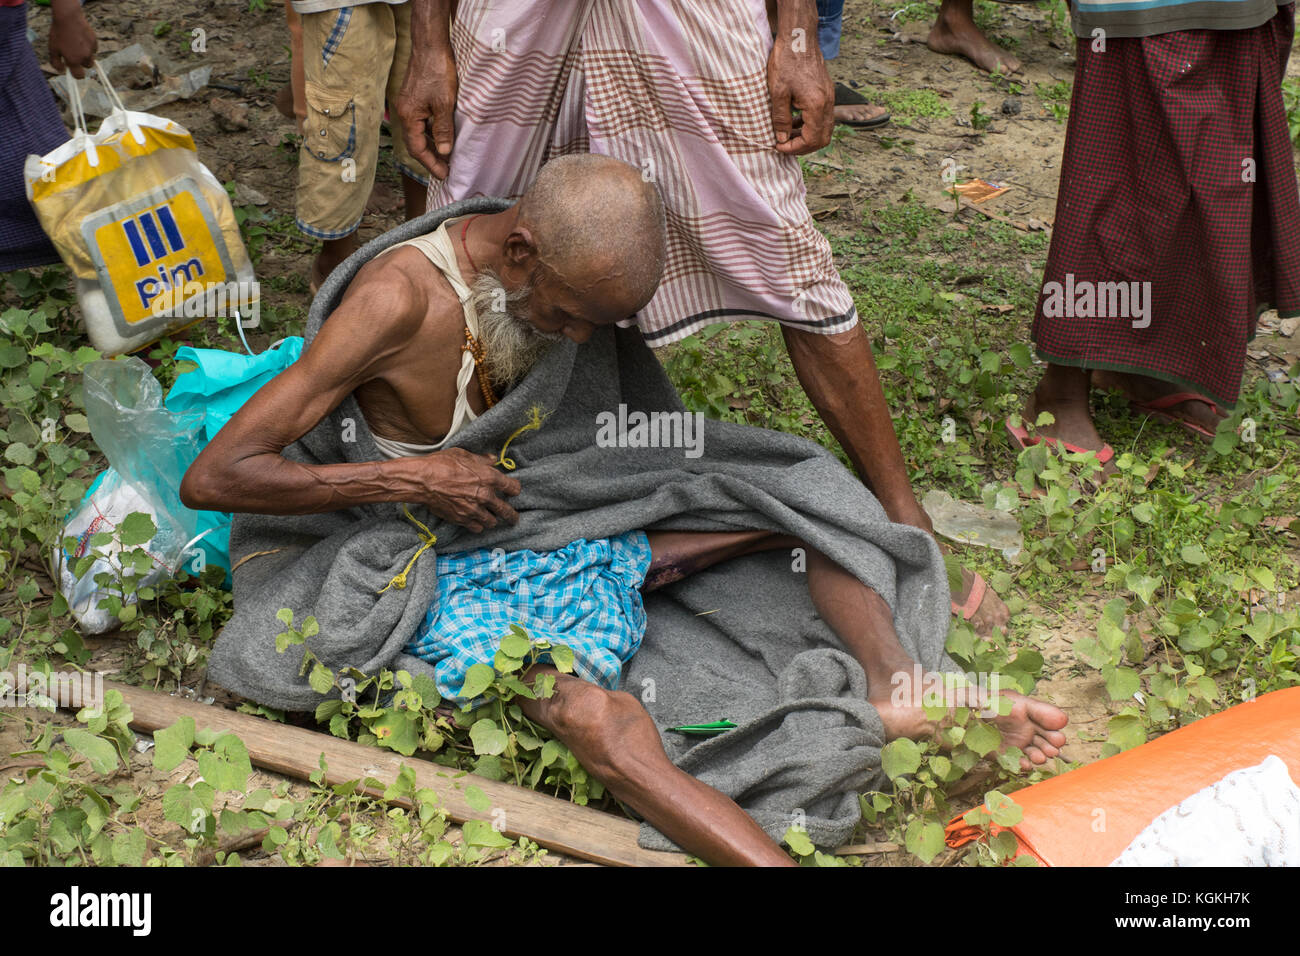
(437,337)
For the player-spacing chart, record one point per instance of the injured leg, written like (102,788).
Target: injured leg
(864,623)
(678,554)
(614,739)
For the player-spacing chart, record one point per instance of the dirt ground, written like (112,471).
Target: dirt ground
(245,140)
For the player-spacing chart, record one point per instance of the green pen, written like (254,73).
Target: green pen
(705,730)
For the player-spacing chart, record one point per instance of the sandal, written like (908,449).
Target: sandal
(978,589)
(1020,435)
(847,96)
(1161,408)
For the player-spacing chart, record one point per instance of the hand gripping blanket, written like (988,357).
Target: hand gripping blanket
(739,641)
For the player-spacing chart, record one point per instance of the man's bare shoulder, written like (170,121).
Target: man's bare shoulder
(399,295)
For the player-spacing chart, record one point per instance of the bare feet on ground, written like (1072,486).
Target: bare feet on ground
(957,34)
(992,611)
(1032,725)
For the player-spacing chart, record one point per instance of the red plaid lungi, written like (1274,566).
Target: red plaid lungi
(1178,171)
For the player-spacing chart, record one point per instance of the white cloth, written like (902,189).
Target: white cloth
(437,247)
(1251,817)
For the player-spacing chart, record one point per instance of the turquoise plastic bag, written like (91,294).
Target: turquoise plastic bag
(219,384)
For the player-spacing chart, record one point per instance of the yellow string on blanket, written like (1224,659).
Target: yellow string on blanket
(429,539)
(427,536)
(534,422)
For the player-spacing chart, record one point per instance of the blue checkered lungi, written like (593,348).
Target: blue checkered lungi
(586,595)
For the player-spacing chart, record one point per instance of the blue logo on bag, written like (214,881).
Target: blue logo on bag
(153,235)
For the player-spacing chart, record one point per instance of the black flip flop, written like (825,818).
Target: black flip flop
(847,96)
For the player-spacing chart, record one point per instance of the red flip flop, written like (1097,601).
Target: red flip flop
(1020,435)
(973,600)
(1160,409)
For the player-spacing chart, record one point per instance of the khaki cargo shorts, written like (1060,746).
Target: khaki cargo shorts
(354,62)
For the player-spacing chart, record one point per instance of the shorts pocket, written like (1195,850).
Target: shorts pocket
(330,130)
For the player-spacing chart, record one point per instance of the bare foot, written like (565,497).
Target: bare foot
(1141,388)
(859,113)
(954,32)
(1032,725)
(1073,419)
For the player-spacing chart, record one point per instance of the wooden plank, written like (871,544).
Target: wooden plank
(553,823)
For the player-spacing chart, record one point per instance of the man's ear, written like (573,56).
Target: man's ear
(521,249)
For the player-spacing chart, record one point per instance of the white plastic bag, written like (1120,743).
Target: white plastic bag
(149,449)
(102,510)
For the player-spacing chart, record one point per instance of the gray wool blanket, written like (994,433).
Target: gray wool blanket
(739,641)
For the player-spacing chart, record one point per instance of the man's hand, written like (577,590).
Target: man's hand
(72,41)
(798,80)
(426,104)
(464,488)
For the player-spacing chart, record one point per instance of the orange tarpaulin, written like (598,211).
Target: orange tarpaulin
(1087,817)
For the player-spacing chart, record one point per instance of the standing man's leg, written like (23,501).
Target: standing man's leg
(415,180)
(675,95)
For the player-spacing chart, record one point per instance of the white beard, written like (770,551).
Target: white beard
(511,344)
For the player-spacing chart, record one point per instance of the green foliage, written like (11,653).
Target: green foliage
(1291,99)
(488,735)
(997,845)
(173,618)
(43,434)
(741,373)
(1056,98)
(909,103)
(53,815)
(1181,639)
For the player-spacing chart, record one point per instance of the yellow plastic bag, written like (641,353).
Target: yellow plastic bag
(147,230)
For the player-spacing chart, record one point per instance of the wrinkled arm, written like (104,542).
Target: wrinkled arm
(242,468)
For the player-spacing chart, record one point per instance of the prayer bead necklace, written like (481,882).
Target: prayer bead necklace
(475,349)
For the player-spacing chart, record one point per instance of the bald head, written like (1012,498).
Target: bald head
(599,226)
